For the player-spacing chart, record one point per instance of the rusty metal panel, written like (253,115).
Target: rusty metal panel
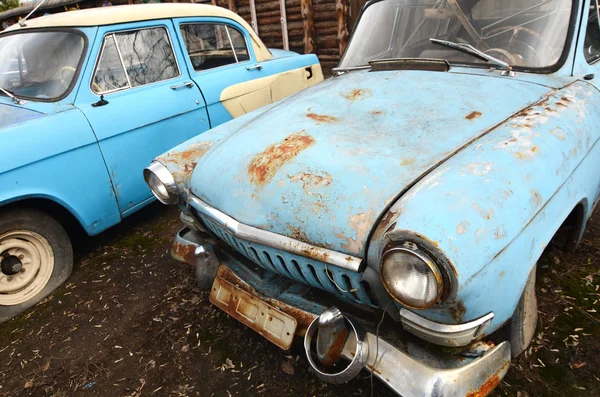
(250,310)
(322,166)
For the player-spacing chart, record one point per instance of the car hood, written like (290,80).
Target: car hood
(323,165)
(10,115)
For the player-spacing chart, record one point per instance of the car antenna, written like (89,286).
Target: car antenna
(22,21)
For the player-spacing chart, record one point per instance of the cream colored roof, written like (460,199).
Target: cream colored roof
(141,12)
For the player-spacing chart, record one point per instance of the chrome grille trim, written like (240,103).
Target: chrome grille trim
(273,240)
(347,284)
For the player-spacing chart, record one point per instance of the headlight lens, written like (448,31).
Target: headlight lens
(411,277)
(162,183)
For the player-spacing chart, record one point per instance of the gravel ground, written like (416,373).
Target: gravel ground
(130,323)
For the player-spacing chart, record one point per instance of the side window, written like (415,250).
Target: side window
(592,35)
(135,58)
(213,45)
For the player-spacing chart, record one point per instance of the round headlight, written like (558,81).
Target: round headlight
(411,277)
(161,183)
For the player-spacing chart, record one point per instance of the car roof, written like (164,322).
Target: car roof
(139,12)
(128,13)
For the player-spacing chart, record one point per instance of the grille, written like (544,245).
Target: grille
(346,283)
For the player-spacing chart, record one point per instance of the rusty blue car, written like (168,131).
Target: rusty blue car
(393,216)
(88,98)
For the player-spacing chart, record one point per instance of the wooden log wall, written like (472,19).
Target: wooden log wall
(314,26)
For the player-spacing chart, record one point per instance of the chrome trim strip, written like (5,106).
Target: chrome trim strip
(273,240)
(444,328)
(454,335)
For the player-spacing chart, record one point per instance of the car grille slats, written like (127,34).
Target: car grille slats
(345,283)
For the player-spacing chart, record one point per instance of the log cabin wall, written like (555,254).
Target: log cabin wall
(313,26)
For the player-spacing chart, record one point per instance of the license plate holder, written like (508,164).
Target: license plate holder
(273,324)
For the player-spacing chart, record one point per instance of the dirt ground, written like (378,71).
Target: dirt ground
(130,323)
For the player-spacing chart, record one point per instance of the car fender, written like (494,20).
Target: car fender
(56,157)
(491,209)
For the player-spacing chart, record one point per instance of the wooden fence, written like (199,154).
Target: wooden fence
(305,26)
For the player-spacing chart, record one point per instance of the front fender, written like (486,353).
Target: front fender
(56,157)
(492,208)
(181,161)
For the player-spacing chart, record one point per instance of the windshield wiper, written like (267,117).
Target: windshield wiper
(14,98)
(469,49)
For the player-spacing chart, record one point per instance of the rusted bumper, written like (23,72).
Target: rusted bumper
(410,368)
(184,246)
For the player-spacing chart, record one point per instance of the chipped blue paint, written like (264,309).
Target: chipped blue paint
(369,144)
(478,168)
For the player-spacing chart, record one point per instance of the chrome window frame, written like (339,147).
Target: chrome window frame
(227,25)
(99,56)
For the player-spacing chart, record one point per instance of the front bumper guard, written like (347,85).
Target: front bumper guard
(404,374)
(397,368)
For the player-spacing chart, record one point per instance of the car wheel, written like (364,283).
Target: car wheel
(521,328)
(36,257)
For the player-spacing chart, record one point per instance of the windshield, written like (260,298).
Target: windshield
(39,65)
(522,33)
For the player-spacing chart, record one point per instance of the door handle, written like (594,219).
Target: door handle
(258,66)
(188,84)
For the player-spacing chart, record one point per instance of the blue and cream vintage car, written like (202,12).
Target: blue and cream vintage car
(89,98)
(416,189)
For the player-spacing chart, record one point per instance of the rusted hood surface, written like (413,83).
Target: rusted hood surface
(324,164)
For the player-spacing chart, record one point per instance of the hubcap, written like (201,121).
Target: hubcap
(27,262)
(11,265)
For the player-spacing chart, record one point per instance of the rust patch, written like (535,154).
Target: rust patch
(361,223)
(184,253)
(458,311)
(311,180)
(486,388)
(407,162)
(473,115)
(265,165)
(335,350)
(376,112)
(320,118)
(296,233)
(484,214)
(536,198)
(357,94)
(182,163)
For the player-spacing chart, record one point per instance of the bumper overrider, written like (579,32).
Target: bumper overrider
(334,332)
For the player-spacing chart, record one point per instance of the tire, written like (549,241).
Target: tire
(30,240)
(521,328)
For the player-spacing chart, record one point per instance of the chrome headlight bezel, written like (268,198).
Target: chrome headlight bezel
(435,269)
(166,190)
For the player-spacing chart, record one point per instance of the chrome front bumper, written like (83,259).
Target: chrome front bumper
(410,368)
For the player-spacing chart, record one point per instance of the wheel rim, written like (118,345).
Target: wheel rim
(27,262)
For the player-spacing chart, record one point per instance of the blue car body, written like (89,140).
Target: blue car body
(89,159)
(77,157)
(478,167)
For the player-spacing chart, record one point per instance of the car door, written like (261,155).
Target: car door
(223,62)
(140,101)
